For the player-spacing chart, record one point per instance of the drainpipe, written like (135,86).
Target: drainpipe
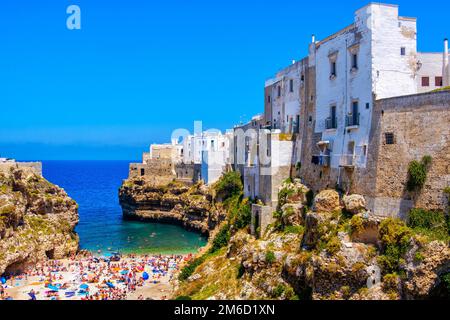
(445,66)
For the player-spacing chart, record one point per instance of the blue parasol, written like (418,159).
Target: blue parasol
(53,288)
(145,275)
(84,286)
(110,285)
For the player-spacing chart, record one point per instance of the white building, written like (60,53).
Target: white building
(282,105)
(211,149)
(373,58)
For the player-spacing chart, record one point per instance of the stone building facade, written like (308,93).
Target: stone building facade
(405,129)
(330,102)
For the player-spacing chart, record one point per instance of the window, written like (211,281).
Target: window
(331,122)
(390,139)
(425,81)
(354,61)
(333,69)
(279,91)
(367,105)
(355,107)
(403,51)
(353,118)
(291,85)
(268,98)
(302,77)
(438,81)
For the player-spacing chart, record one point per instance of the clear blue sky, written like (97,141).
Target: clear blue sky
(139,69)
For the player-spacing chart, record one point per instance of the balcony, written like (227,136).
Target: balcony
(324,161)
(348,161)
(331,123)
(352,120)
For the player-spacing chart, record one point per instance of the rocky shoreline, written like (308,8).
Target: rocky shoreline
(37,221)
(188,206)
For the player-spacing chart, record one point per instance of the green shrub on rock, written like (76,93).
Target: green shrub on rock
(221,239)
(228,185)
(189,269)
(417,173)
(395,237)
(270,257)
(433,224)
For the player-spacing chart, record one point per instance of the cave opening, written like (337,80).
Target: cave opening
(50,254)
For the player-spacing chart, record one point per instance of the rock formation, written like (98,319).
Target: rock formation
(37,221)
(191,207)
(332,251)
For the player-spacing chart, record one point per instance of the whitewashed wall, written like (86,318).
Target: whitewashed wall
(383,71)
(431,67)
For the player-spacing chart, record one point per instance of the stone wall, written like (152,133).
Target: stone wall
(420,127)
(188,173)
(262,217)
(161,171)
(36,167)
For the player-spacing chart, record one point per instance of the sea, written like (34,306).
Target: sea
(94,185)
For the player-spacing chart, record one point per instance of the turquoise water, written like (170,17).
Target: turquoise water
(94,186)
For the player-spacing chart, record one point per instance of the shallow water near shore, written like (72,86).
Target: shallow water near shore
(94,186)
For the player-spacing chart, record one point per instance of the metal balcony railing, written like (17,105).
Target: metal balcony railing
(352,120)
(331,123)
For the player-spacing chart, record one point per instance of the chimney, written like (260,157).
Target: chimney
(313,38)
(445,66)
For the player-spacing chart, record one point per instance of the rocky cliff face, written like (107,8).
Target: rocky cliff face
(37,220)
(190,207)
(330,249)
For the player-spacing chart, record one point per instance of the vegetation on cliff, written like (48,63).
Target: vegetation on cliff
(328,248)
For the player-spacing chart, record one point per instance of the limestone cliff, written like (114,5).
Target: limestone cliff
(37,220)
(191,207)
(327,249)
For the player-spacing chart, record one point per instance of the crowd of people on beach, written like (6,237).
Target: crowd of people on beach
(93,278)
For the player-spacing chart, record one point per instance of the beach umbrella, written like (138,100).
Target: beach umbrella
(84,286)
(3,280)
(124,272)
(145,275)
(53,288)
(110,285)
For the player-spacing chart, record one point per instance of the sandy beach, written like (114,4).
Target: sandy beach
(133,277)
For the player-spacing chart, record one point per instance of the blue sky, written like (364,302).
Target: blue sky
(139,69)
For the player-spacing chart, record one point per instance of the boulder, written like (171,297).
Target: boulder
(423,276)
(354,203)
(292,214)
(292,192)
(327,201)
